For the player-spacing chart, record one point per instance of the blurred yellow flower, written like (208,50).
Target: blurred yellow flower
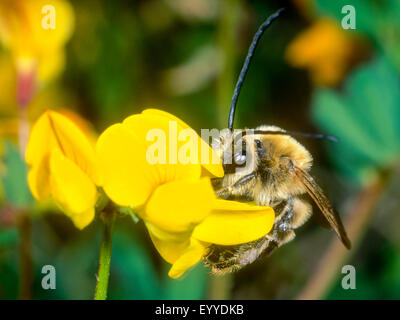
(324,49)
(62,165)
(35,41)
(175,200)
(7,84)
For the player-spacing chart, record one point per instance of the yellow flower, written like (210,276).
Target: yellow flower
(37,45)
(62,165)
(175,200)
(324,49)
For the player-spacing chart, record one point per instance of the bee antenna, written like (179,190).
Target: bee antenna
(314,135)
(295,133)
(246,64)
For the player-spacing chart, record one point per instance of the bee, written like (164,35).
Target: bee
(269,167)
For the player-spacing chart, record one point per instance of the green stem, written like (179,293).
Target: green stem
(25,254)
(103,272)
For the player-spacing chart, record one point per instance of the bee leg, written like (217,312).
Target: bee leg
(225,192)
(283,227)
(263,247)
(222,259)
(219,253)
(225,266)
(284,212)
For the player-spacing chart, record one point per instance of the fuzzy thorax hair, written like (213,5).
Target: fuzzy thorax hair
(269,157)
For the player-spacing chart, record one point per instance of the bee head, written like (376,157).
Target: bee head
(244,150)
(280,151)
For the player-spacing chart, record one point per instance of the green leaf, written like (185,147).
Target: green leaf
(15,182)
(365,116)
(375,94)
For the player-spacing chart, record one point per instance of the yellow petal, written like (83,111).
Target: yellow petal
(212,162)
(39,179)
(41,140)
(167,115)
(84,125)
(228,205)
(166,235)
(55,131)
(189,258)
(126,176)
(171,169)
(83,219)
(229,226)
(170,250)
(51,65)
(22,24)
(49,38)
(72,189)
(179,205)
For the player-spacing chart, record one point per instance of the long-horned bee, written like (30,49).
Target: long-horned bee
(269,167)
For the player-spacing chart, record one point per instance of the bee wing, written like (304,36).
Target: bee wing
(323,204)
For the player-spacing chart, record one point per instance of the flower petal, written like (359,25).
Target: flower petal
(22,30)
(229,205)
(189,258)
(212,162)
(55,131)
(83,219)
(72,189)
(179,205)
(167,115)
(142,126)
(126,176)
(39,179)
(229,227)
(169,249)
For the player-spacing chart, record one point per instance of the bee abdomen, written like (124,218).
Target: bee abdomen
(223,259)
(290,214)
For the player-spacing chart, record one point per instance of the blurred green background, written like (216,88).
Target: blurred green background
(184,57)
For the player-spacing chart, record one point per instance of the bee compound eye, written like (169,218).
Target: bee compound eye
(260,148)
